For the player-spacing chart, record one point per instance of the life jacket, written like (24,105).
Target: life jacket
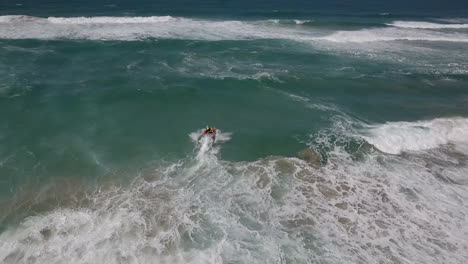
(210,131)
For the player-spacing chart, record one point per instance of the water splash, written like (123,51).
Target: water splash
(274,210)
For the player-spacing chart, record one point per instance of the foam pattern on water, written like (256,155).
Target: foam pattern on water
(425,25)
(419,48)
(383,208)
(394,34)
(396,137)
(167,27)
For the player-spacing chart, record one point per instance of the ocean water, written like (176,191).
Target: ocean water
(343,132)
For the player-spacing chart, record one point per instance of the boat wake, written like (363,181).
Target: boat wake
(408,208)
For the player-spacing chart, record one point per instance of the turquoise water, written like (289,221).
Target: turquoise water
(101,106)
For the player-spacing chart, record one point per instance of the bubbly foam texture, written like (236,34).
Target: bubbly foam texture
(318,105)
(302,22)
(205,210)
(134,28)
(397,137)
(195,65)
(295,21)
(86,20)
(207,146)
(425,25)
(167,27)
(393,34)
(110,20)
(454,20)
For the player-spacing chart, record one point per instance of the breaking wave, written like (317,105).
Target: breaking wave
(292,21)
(134,28)
(425,25)
(87,20)
(393,34)
(205,210)
(110,20)
(397,137)
(167,27)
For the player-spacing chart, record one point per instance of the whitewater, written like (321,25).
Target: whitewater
(167,27)
(409,209)
(342,136)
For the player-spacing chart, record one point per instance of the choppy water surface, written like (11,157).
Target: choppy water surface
(343,136)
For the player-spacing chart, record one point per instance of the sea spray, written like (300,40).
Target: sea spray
(206,209)
(396,137)
(96,102)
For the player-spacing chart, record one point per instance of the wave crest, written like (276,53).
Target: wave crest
(393,34)
(425,25)
(397,137)
(167,27)
(110,20)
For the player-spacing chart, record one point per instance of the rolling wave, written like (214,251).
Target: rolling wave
(110,20)
(135,28)
(206,210)
(425,25)
(167,27)
(291,21)
(398,137)
(394,34)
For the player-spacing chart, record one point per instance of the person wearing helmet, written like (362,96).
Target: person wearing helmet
(209,130)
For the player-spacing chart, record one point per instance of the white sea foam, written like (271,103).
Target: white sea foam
(425,25)
(134,28)
(207,147)
(393,34)
(266,211)
(314,104)
(110,20)
(459,20)
(397,137)
(294,21)
(167,27)
(18,19)
(302,22)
